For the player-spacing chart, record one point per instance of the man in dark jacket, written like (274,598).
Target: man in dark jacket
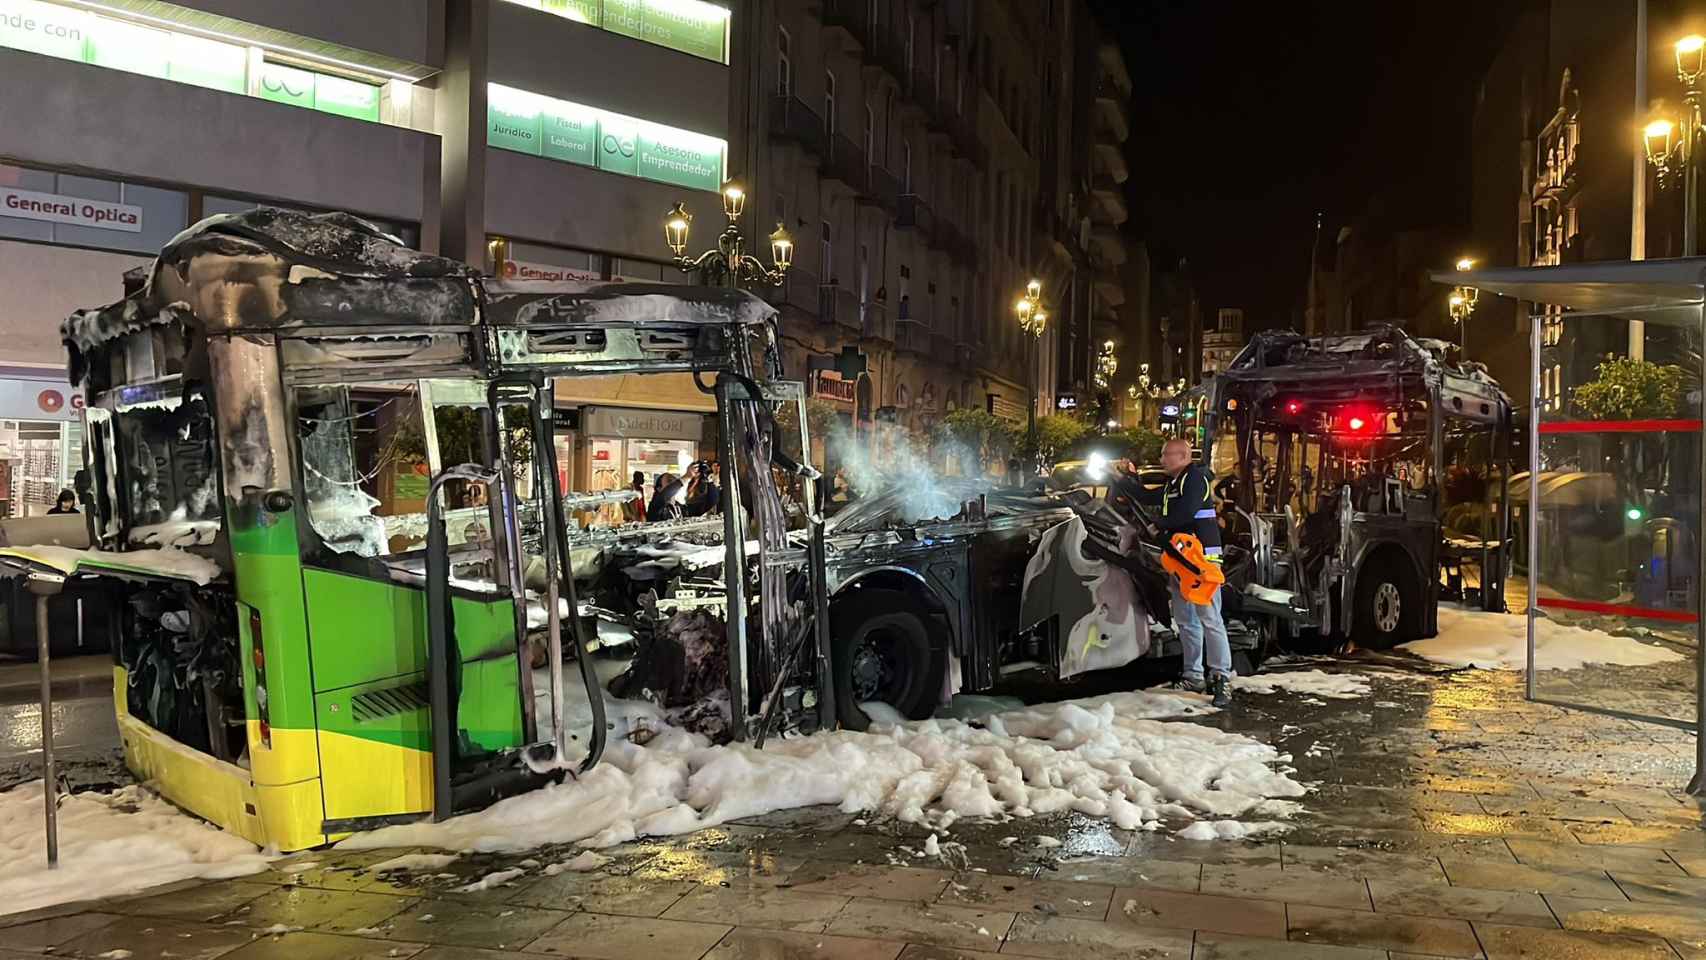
(1187,507)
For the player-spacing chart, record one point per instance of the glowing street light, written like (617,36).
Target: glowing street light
(1665,138)
(728,263)
(1033,321)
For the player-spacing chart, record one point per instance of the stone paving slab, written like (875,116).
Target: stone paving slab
(1069,939)
(1463,903)
(324,946)
(1662,888)
(743,943)
(1293,886)
(1433,936)
(157,940)
(1196,911)
(937,924)
(759,907)
(1065,898)
(1220,946)
(1533,943)
(1529,878)
(622,938)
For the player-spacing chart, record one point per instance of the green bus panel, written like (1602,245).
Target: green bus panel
(361,631)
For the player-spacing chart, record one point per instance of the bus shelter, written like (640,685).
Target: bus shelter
(1607,517)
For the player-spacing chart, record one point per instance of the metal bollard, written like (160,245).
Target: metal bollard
(45,587)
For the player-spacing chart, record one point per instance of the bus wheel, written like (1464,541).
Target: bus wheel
(1386,606)
(883,653)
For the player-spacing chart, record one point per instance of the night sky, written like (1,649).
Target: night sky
(1248,118)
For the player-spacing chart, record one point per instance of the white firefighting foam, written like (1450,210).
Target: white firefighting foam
(1498,641)
(110,844)
(1105,756)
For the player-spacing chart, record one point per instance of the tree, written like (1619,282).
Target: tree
(1631,390)
(1057,434)
(978,435)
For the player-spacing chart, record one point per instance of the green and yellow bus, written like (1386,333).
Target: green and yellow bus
(326,509)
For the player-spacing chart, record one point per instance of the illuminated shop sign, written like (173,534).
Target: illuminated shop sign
(690,26)
(560,130)
(72,34)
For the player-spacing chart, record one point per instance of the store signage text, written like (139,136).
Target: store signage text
(53,207)
(643,424)
(523,270)
(831,388)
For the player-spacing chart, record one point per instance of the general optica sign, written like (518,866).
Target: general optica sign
(574,133)
(57,208)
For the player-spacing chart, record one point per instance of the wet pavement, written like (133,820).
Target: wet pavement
(85,732)
(1451,819)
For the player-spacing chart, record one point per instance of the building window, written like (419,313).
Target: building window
(906,167)
(870,136)
(826,254)
(829,101)
(936,73)
(874,13)
(911,40)
(784,63)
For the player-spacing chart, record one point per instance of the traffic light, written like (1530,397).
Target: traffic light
(1634,513)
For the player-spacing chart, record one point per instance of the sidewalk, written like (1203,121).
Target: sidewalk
(1452,820)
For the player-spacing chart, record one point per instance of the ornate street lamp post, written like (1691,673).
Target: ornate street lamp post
(728,263)
(1033,321)
(1665,142)
(1461,305)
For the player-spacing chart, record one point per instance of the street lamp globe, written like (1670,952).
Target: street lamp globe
(675,226)
(734,199)
(1464,264)
(782,248)
(1690,58)
(1657,135)
(1034,289)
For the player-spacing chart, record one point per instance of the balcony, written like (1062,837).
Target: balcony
(923,93)
(838,306)
(1107,204)
(801,292)
(1110,162)
(875,324)
(881,189)
(846,162)
(849,18)
(942,348)
(1109,245)
(912,213)
(791,121)
(962,135)
(912,336)
(885,52)
(1111,126)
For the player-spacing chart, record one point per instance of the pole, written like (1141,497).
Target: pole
(50,776)
(1031,426)
(1697,786)
(1638,204)
(1691,176)
(1536,321)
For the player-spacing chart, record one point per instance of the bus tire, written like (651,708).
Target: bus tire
(881,649)
(1387,604)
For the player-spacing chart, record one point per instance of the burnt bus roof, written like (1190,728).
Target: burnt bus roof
(1382,357)
(283,270)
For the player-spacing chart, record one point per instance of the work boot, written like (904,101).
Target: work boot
(1188,685)
(1220,688)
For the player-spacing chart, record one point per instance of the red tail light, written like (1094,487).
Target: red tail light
(259,655)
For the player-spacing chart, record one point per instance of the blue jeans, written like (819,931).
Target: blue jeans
(1195,622)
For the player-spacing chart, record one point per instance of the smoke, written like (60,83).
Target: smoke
(889,460)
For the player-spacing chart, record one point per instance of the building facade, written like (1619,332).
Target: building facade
(1221,344)
(922,154)
(536,138)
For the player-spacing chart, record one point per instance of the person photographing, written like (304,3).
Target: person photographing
(1187,507)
